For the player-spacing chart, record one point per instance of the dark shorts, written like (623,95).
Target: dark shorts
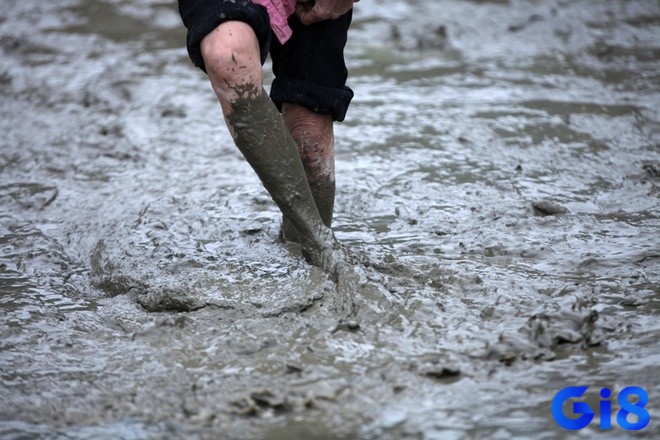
(309,69)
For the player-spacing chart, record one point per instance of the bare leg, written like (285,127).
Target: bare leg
(314,136)
(231,56)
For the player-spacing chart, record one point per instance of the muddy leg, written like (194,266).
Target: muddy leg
(231,56)
(267,145)
(314,137)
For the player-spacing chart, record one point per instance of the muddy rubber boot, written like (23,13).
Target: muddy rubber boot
(288,231)
(267,145)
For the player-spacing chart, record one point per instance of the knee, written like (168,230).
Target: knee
(232,57)
(308,129)
(313,134)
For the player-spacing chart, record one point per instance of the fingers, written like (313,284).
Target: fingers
(319,12)
(308,16)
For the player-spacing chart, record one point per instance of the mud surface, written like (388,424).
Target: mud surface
(498,181)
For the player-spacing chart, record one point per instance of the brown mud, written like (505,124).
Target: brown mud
(497,189)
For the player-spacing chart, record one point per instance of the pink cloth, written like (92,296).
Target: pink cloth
(279,12)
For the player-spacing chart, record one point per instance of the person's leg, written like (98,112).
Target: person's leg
(310,89)
(232,60)
(313,133)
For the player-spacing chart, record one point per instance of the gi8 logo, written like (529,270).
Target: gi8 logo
(587,414)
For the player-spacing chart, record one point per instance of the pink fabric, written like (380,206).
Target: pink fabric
(279,12)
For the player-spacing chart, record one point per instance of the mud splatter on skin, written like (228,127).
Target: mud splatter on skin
(472,311)
(314,137)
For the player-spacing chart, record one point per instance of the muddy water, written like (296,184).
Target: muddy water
(498,183)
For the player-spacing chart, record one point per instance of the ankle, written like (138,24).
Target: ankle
(288,232)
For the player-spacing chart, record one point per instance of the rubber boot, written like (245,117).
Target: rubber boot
(260,134)
(323,192)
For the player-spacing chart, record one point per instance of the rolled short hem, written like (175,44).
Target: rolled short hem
(319,99)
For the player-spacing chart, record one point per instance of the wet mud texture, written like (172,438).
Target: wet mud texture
(497,183)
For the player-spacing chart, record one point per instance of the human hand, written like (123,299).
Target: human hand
(309,11)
